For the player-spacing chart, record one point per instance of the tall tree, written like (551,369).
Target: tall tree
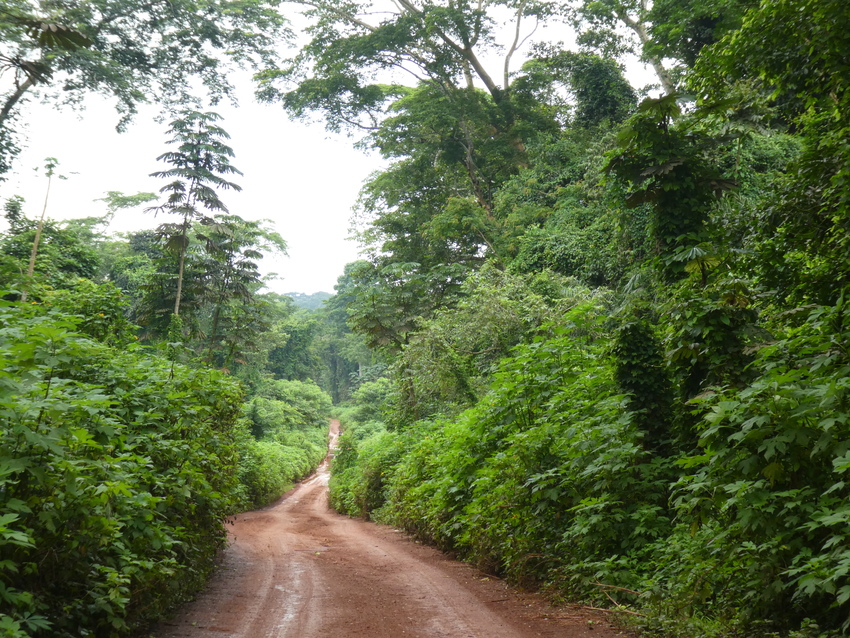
(600,22)
(233,247)
(666,34)
(340,71)
(356,65)
(198,167)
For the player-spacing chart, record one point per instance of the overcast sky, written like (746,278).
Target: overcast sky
(300,177)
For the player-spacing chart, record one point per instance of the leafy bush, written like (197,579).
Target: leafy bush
(267,469)
(358,486)
(366,452)
(308,405)
(369,401)
(771,479)
(101,309)
(546,478)
(445,367)
(118,468)
(288,424)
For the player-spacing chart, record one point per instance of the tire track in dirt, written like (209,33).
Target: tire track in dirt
(298,570)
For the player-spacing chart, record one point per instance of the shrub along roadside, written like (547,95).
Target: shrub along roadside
(366,452)
(117,469)
(285,438)
(551,479)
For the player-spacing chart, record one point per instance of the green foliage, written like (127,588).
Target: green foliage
(227,321)
(640,373)
(101,307)
(285,439)
(131,52)
(445,365)
(117,471)
(198,167)
(710,331)
(768,484)
(588,251)
(344,358)
(803,241)
(267,469)
(682,29)
(371,400)
(335,72)
(311,405)
(572,355)
(666,167)
(63,255)
(233,248)
(545,477)
(565,220)
(600,92)
(309,302)
(366,453)
(294,357)
(359,487)
(128,262)
(391,300)
(685,453)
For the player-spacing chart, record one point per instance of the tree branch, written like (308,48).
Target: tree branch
(352,19)
(466,53)
(640,29)
(516,43)
(14,98)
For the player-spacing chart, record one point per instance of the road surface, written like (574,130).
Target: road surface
(298,570)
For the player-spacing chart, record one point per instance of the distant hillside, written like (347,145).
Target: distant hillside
(309,302)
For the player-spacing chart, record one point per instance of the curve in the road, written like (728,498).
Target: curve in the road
(299,570)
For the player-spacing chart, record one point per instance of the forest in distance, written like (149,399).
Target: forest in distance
(598,342)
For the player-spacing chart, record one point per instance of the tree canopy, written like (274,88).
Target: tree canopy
(132,52)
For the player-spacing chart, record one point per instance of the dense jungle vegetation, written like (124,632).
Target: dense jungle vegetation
(149,388)
(125,447)
(598,342)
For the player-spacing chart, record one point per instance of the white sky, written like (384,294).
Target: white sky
(299,176)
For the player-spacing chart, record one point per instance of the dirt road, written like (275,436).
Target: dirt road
(298,570)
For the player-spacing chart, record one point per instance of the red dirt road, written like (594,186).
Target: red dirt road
(298,570)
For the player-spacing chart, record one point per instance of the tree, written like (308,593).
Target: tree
(233,246)
(295,358)
(129,50)
(667,34)
(346,360)
(354,68)
(666,165)
(198,166)
(64,253)
(788,62)
(599,23)
(50,165)
(680,29)
(391,301)
(436,42)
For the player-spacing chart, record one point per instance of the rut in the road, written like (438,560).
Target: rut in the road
(299,570)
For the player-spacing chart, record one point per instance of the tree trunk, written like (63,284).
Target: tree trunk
(13,99)
(639,29)
(181,264)
(37,240)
